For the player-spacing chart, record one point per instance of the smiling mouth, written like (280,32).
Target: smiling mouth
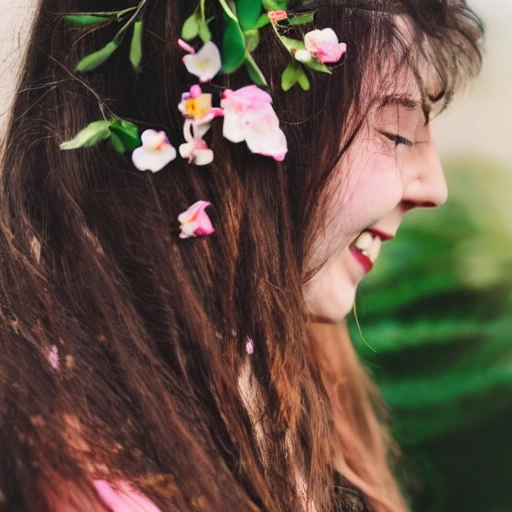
(366,248)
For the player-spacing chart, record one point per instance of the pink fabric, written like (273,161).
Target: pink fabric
(123,497)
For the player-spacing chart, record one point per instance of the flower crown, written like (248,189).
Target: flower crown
(247,112)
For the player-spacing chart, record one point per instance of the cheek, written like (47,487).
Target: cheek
(372,189)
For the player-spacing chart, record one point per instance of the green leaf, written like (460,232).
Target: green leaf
(233,47)
(262,21)
(289,78)
(227,9)
(252,40)
(293,44)
(292,74)
(301,19)
(203,31)
(316,65)
(125,135)
(96,59)
(136,46)
(275,5)
(254,71)
(248,12)
(117,143)
(90,135)
(84,20)
(190,28)
(303,80)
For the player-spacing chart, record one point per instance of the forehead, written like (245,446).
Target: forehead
(409,72)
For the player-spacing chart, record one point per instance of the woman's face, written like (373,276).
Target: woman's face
(391,167)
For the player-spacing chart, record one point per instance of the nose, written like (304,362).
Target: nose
(424,180)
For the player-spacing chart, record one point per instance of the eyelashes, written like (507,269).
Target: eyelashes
(397,139)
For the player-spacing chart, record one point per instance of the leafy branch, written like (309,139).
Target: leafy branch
(130,18)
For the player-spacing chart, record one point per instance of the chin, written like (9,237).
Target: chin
(331,307)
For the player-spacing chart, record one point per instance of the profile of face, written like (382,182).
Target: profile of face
(391,167)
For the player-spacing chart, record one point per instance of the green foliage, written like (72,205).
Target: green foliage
(136,46)
(248,13)
(85,20)
(96,59)
(90,135)
(190,28)
(292,44)
(233,47)
(275,5)
(254,71)
(252,40)
(194,26)
(262,21)
(301,19)
(130,17)
(123,135)
(316,65)
(294,74)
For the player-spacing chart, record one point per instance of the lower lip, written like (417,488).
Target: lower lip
(365,262)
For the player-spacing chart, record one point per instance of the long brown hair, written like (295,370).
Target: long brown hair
(149,331)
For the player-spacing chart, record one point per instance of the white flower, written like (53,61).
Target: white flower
(249,116)
(195,149)
(155,153)
(205,64)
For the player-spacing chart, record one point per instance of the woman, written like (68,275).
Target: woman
(150,364)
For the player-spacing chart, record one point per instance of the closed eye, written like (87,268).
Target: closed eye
(397,139)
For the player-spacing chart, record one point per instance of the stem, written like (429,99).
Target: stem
(276,31)
(228,10)
(132,19)
(248,58)
(101,104)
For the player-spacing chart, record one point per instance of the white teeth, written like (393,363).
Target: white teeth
(368,245)
(374,250)
(364,241)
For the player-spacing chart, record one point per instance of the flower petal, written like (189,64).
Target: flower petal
(123,498)
(324,45)
(203,156)
(185,46)
(205,64)
(155,153)
(186,149)
(233,127)
(195,221)
(265,139)
(303,55)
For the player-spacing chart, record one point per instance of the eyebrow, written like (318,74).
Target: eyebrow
(408,102)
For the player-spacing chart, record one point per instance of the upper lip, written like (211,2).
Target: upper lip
(383,235)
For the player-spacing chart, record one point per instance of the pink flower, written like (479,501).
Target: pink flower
(197,105)
(277,15)
(249,346)
(53,357)
(323,44)
(123,497)
(195,221)
(195,149)
(249,116)
(205,63)
(155,153)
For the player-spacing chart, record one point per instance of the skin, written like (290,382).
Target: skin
(391,167)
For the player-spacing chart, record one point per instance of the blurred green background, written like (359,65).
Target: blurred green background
(436,311)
